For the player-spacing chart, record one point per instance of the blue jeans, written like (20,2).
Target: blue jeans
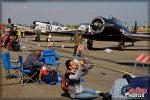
(87,93)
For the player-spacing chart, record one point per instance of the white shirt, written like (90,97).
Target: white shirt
(116,89)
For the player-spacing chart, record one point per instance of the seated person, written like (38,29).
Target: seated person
(117,92)
(74,88)
(33,63)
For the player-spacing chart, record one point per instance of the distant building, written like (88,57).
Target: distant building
(145,28)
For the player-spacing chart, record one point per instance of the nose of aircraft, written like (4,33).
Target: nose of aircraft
(97,25)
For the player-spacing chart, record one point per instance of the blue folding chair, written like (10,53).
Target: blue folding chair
(51,61)
(11,70)
(49,57)
(26,73)
(47,53)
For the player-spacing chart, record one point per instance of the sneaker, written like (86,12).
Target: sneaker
(40,82)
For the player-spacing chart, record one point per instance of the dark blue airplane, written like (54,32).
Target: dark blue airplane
(109,29)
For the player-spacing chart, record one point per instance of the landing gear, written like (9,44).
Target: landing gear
(46,39)
(37,38)
(132,44)
(22,34)
(121,45)
(90,44)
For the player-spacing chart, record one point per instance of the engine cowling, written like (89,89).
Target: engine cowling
(97,25)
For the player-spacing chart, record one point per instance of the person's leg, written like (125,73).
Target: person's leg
(75,50)
(40,76)
(89,90)
(36,69)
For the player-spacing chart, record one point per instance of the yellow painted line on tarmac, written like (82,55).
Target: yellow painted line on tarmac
(117,70)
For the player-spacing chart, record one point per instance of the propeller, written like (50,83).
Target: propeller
(98,24)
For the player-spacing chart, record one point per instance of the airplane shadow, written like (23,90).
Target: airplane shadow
(65,41)
(97,49)
(131,64)
(39,41)
(137,49)
(116,48)
(143,46)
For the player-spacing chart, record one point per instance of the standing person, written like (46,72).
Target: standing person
(37,30)
(32,62)
(77,41)
(51,43)
(74,88)
(49,37)
(18,32)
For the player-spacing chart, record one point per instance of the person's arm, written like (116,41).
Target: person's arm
(36,62)
(85,66)
(77,74)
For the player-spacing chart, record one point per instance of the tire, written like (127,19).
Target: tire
(22,34)
(46,39)
(121,47)
(89,45)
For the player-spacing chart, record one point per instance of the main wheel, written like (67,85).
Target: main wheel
(121,46)
(22,34)
(89,44)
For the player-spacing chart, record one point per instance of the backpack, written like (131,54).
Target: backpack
(64,83)
(50,78)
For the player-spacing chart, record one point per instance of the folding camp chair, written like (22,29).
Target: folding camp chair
(11,70)
(26,74)
(49,57)
(51,61)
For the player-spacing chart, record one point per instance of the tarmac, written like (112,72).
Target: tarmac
(107,68)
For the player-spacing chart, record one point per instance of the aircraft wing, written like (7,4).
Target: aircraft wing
(139,36)
(72,33)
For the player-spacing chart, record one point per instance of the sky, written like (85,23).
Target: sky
(74,12)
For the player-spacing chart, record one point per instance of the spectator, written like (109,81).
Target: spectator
(33,63)
(37,30)
(116,92)
(18,31)
(51,43)
(77,41)
(74,88)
